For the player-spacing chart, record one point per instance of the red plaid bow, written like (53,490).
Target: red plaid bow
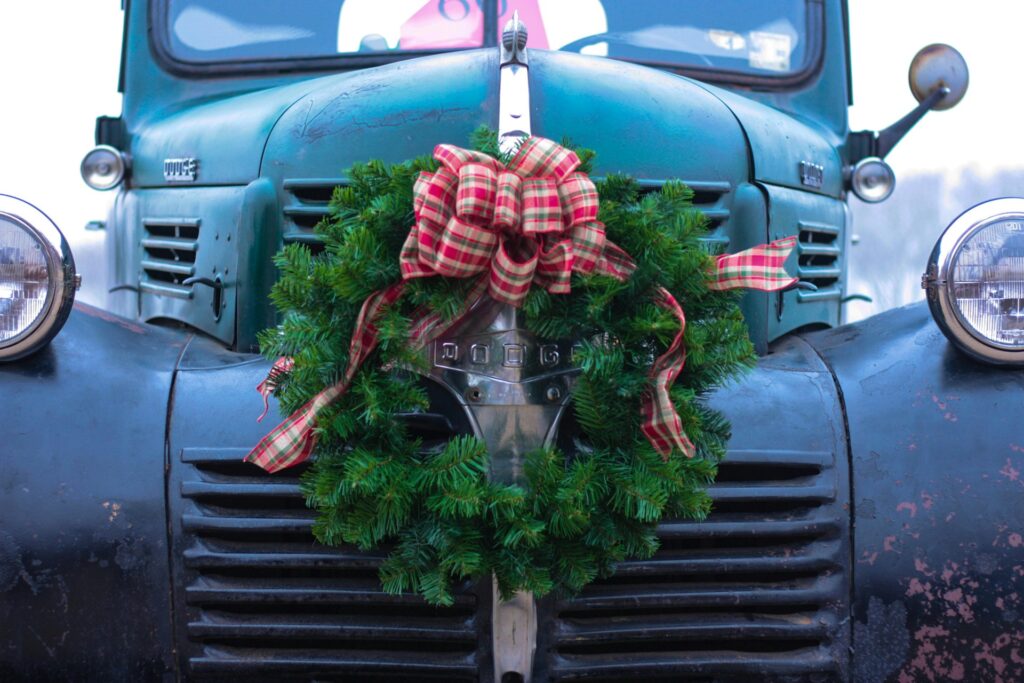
(532,221)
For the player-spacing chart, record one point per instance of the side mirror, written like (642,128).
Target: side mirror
(935,67)
(938,80)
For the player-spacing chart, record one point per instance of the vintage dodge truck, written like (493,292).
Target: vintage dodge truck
(866,523)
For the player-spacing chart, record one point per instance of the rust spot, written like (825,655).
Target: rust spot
(887,544)
(868,558)
(113,508)
(927,500)
(1010,472)
(909,506)
(1015,540)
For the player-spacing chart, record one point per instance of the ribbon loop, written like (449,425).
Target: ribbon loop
(507,204)
(478,185)
(511,276)
(542,209)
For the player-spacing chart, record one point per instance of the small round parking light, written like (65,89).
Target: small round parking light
(37,279)
(104,167)
(975,281)
(872,180)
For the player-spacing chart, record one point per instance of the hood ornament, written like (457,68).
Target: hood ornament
(514,90)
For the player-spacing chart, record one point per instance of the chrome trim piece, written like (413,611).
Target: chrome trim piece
(514,88)
(93,169)
(939,286)
(515,389)
(63,279)
(181,170)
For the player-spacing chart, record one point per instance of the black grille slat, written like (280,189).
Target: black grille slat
(226,491)
(692,665)
(385,664)
(205,558)
(248,524)
(794,527)
(262,591)
(224,625)
(779,559)
(666,629)
(169,255)
(737,596)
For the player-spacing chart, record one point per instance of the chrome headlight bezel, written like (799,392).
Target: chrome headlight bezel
(62,278)
(939,284)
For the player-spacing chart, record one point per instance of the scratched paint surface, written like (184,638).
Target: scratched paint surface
(936,443)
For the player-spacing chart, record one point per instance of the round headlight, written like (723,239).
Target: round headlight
(37,279)
(975,281)
(104,167)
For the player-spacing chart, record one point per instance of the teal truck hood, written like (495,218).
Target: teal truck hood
(403,110)
(642,121)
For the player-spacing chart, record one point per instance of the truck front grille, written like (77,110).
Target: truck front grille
(752,593)
(169,255)
(263,598)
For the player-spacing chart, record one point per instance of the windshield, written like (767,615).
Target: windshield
(755,37)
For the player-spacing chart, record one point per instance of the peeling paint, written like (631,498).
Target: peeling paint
(908,505)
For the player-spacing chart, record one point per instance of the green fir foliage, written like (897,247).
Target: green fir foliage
(374,484)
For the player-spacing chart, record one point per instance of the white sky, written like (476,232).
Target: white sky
(59,62)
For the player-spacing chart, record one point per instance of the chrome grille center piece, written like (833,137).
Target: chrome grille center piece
(513,386)
(514,89)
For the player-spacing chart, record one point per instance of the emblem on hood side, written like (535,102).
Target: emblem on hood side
(182,170)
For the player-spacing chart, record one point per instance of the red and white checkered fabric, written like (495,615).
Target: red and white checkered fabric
(533,221)
(661,424)
(759,267)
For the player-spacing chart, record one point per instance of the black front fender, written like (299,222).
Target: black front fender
(937,450)
(84,580)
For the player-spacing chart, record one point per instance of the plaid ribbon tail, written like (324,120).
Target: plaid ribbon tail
(293,441)
(760,267)
(661,424)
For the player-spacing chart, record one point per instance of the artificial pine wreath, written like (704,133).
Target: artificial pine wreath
(373,484)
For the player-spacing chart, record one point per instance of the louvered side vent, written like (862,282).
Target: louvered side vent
(818,252)
(169,255)
(265,600)
(307,200)
(753,593)
(305,206)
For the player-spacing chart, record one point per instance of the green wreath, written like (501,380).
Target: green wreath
(373,484)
